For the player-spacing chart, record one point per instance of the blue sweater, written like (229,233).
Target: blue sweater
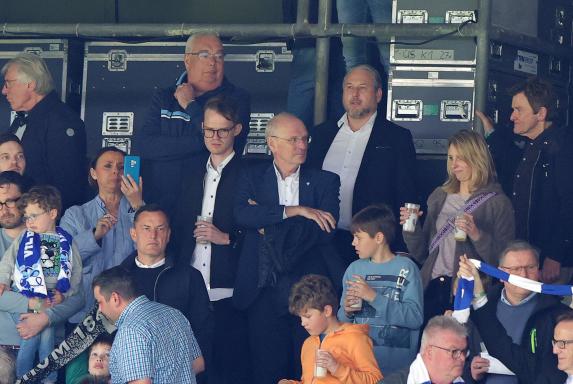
(396,314)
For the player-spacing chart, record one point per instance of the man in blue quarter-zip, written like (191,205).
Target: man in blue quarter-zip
(158,277)
(172,131)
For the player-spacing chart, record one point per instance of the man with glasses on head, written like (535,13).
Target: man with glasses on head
(515,324)
(212,244)
(289,212)
(563,344)
(172,131)
(443,352)
(374,158)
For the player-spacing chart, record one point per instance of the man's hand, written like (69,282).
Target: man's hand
(132,191)
(2,288)
(324,219)
(360,288)
(551,270)
(485,121)
(208,232)
(479,367)
(467,269)
(185,94)
(55,299)
(31,324)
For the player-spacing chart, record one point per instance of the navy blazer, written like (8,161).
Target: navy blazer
(224,258)
(317,189)
(387,172)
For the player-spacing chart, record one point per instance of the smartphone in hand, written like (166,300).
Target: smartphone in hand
(131,166)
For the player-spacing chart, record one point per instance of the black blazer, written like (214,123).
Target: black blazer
(224,258)
(388,168)
(317,189)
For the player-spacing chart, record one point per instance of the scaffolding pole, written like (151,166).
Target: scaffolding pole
(322,61)
(482,60)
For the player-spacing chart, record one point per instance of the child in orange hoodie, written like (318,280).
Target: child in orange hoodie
(334,352)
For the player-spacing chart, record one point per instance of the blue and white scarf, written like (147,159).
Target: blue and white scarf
(419,374)
(28,273)
(464,293)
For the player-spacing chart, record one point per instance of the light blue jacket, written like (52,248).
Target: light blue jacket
(116,245)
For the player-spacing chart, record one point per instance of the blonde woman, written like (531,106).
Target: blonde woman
(471,201)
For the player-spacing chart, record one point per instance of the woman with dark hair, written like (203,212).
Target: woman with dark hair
(11,154)
(469,214)
(101,226)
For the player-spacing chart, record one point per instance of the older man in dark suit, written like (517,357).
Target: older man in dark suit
(374,158)
(289,212)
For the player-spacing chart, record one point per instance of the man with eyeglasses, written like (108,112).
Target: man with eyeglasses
(563,344)
(443,352)
(515,324)
(213,245)
(288,212)
(172,134)
(374,158)
(52,135)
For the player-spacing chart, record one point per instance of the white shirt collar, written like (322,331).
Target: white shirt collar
(222,165)
(141,265)
(366,128)
(294,176)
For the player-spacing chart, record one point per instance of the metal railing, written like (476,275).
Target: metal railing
(482,30)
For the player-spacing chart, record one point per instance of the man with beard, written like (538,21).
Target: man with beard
(374,158)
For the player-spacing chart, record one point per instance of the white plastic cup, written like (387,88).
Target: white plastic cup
(357,304)
(410,224)
(318,370)
(208,219)
(459,234)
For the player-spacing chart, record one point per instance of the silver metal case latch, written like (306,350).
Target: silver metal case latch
(455,110)
(407,110)
(412,16)
(458,17)
(117,124)
(265,61)
(117,60)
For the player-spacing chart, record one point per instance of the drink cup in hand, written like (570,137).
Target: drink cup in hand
(410,223)
(459,234)
(319,371)
(208,220)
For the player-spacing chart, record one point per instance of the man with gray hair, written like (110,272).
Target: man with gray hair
(374,157)
(172,132)
(443,352)
(52,134)
(288,212)
(515,324)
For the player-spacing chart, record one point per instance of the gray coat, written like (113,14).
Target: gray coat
(494,218)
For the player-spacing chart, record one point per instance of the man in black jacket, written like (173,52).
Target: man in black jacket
(213,247)
(53,136)
(515,324)
(538,176)
(161,279)
(374,158)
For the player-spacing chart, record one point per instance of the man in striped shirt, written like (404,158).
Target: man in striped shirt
(154,342)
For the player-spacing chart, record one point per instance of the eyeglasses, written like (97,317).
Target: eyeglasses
(8,83)
(455,353)
(295,139)
(33,216)
(561,344)
(206,55)
(524,268)
(221,132)
(10,203)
